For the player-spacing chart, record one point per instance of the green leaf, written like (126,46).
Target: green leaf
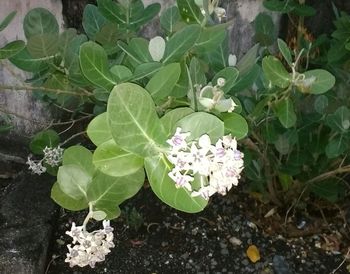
(157,169)
(39,21)
(331,190)
(210,38)
(81,157)
(337,147)
(73,181)
(283,47)
(24,61)
(169,18)
(93,21)
(11,49)
(170,119)
(279,6)
(144,16)
(303,10)
(321,81)
(189,11)
(182,86)
(230,75)
(246,80)
(135,127)
(248,60)
(321,104)
(110,159)
(99,215)
(131,15)
(121,72)
(235,125)
(139,47)
(107,192)
(137,51)
(264,29)
(218,59)
(284,110)
(112,11)
(145,70)
(65,40)
(94,65)
(71,59)
(163,82)
(205,124)
(197,73)
(339,121)
(65,201)
(4,23)
(42,45)
(180,43)
(275,72)
(46,138)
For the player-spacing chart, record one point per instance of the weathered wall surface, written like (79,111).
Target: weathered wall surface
(32,115)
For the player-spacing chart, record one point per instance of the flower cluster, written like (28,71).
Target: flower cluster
(52,157)
(89,248)
(218,166)
(35,166)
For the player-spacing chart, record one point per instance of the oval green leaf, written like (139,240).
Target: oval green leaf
(157,169)
(113,161)
(134,126)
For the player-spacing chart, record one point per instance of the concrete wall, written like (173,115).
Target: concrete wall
(32,115)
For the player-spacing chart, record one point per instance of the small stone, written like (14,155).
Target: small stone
(235,241)
(224,251)
(245,262)
(280,265)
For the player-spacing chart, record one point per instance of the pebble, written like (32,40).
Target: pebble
(280,265)
(245,262)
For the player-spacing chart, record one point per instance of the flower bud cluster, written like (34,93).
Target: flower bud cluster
(89,248)
(35,166)
(218,166)
(212,97)
(52,157)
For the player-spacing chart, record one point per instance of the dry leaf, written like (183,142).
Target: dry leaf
(271,212)
(253,253)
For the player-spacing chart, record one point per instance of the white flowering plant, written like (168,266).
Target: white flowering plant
(172,108)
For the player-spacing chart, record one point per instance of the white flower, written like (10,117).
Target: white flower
(53,156)
(205,192)
(35,166)
(91,247)
(178,141)
(220,13)
(180,179)
(217,167)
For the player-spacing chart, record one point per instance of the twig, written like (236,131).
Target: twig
(56,91)
(329,174)
(345,258)
(72,137)
(12,158)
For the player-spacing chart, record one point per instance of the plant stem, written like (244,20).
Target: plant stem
(329,174)
(195,103)
(88,216)
(72,137)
